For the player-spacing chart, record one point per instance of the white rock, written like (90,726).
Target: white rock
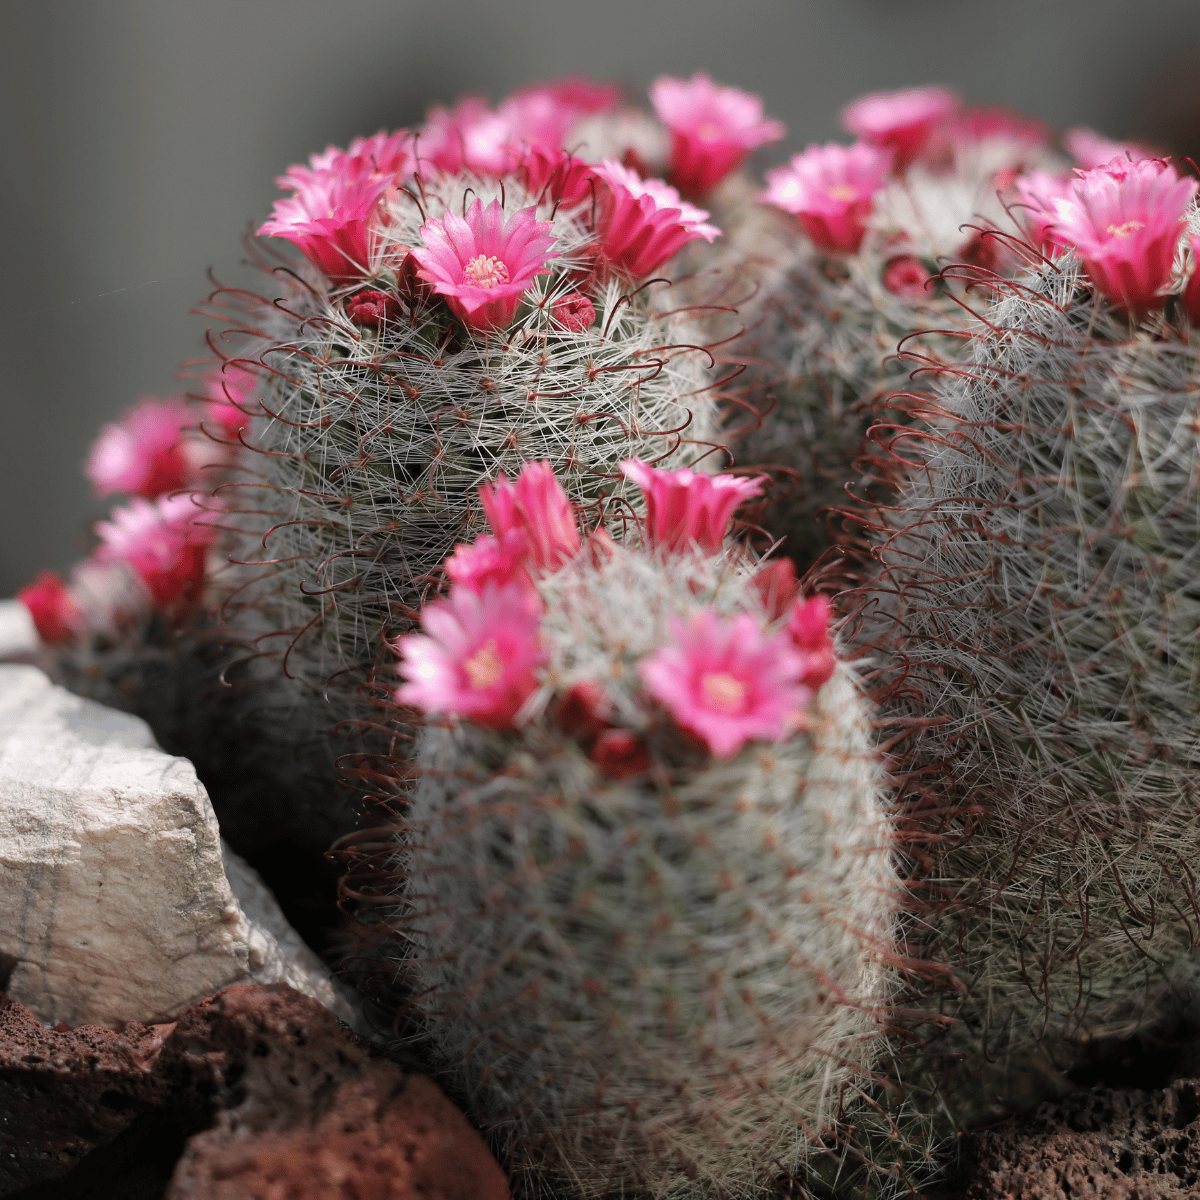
(114,899)
(19,640)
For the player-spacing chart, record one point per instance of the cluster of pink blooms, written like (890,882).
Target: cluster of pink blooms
(480,264)
(153,454)
(724,681)
(1123,210)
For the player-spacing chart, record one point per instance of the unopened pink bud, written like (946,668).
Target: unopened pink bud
(575,312)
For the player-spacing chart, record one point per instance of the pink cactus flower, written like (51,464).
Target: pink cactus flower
(442,140)
(542,114)
(1127,230)
(584,711)
(55,614)
(713,129)
(490,560)
(808,627)
(907,276)
(229,390)
(554,173)
(644,222)
(1191,293)
(831,189)
(141,454)
(483,265)
(478,656)
(777,586)
(385,154)
(1090,149)
(537,507)
(372,308)
(686,506)
(620,754)
(902,121)
(330,221)
(995,122)
(574,311)
(163,544)
(726,682)
(1036,193)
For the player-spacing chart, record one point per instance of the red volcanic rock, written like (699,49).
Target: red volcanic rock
(1105,1144)
(277,1102)
(302,1111)
(63,1094)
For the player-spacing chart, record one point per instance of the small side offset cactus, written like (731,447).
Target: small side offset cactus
(646,890)
(1040,609)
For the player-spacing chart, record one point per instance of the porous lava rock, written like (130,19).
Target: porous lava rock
(64,1094)
(301,1111)
(256,1092)
(1103,1144)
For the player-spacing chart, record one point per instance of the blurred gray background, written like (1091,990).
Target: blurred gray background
(142,137)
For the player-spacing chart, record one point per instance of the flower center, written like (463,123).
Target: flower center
(484,667)
(722,692)
(485,272)
(842,191)
(1123,231)
(710,131)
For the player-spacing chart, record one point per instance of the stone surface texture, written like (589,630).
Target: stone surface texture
(18,638)
(256,1093)
(115,902)
(302,1112)
(1104,1144)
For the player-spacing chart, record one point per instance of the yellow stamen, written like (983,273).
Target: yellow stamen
(1123,231)
(842,191)
(485,272)
(722,692)
(708,132)
(485,666)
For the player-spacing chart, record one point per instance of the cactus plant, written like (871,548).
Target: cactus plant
(1039,611)
(876,258)
(645,904)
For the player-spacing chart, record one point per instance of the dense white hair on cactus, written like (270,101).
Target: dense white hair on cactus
(375,442)
(830,340)
(1038,608)
(672,984)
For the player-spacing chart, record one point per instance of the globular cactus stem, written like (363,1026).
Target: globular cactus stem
(645,895)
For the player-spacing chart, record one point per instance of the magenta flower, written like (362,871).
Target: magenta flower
(1037,192)
(808,627)
(482,265)
(726,682)
(900,121)
(372,308)
(477,657)
(644,221)
(1127,229)
(713,129)
(1090,149)
(330,220)
(229,390)
(831,189)
(542,114)
(574,311)
(162,543)
(686,506)
(907,276)
(989,123)
(383,154)
(141,454)
(50,604)
(563,178)
(470,135)
(536,507)
(490,560)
